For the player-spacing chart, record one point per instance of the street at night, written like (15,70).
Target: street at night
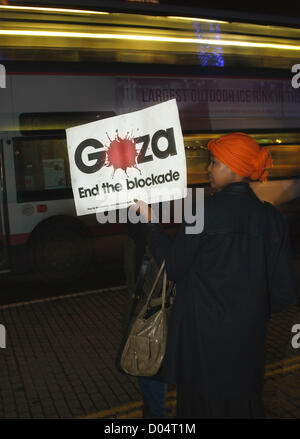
(61,347)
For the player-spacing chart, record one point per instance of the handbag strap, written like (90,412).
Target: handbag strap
(154,285)
(170,295)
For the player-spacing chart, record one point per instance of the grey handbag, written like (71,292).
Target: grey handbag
(145,346)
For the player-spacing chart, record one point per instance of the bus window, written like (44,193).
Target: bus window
(42,170)
(45,123)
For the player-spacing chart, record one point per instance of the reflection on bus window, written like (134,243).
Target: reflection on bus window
(206,54)
(42,169)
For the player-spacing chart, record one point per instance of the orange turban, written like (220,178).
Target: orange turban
(242,155)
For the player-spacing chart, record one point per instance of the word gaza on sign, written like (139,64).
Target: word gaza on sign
(138,155)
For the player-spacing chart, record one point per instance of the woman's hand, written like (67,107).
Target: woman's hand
(145,210)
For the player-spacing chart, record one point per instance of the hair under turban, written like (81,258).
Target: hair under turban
(242,155)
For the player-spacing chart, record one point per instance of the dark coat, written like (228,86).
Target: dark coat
(229,279)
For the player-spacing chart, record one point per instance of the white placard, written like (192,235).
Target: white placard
(135,155)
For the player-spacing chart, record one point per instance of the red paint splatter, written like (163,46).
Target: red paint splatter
(121,153)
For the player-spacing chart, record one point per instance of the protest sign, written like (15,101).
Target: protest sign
(138,155)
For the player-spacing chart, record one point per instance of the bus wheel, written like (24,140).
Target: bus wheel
(60,249)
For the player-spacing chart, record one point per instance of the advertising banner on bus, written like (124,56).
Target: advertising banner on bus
(217,103)
(138,155)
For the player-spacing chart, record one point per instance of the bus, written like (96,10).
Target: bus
(66,67)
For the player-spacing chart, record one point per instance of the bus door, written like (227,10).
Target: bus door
(4,260)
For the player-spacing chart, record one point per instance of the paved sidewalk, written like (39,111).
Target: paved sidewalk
(60,353)
(59,357)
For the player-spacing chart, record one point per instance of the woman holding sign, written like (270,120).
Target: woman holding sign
(229,278)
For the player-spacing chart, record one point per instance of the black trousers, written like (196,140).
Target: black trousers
(191,405)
